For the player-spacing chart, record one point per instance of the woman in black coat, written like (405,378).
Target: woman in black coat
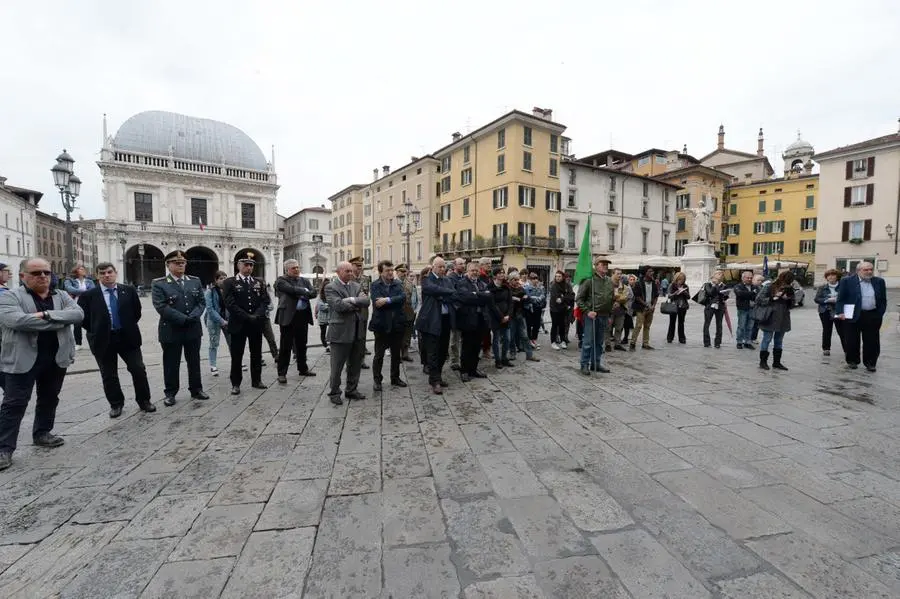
(679,294)
(773,311)
(562,299)
(499,314)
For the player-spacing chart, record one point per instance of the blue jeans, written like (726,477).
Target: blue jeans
(214,330)
(593,340)
(518,332)
(767,338)
(744,326)
(501,345)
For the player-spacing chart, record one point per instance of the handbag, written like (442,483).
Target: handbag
(669,307)
(762,314)
(700,296)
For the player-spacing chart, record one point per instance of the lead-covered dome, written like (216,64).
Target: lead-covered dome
(189,138)
(800,147)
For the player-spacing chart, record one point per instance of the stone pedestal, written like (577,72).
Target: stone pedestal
(698,263)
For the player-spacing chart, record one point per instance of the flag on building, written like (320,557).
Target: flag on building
(585,268)
(172,218)
(202,226)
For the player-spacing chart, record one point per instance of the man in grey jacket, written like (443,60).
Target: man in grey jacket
(38,347)
(346,331)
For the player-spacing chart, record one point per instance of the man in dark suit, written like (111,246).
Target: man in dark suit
(868,296)
(111,316)
(294,317)
(178,298)
(472,298)
(646,294)
(346,331)
(246,300)
(435,321)
(388,322)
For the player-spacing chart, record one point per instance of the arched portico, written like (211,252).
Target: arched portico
(141,270)
(259,270)
(202,262)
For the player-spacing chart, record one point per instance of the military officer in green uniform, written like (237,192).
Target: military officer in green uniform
(365,283)
(247,301)
(179,300)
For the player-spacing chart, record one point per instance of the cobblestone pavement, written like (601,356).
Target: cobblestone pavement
(687,472)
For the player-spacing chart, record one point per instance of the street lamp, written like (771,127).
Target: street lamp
(122,236)
(69,186)
(408,221)
(141,255)
(317,247)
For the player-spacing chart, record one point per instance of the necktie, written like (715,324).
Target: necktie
(114,310)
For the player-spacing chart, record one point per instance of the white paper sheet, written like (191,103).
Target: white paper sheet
(848,311)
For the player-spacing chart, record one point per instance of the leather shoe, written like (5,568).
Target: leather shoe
(115,411)
(478,375)
(368,352)
(871,368)
(425,370)
(507,363)
(307,373)
(436,389)
(199,395)
(602,369)
(48,440)
(465,377)
(355,395)
(454,367)
(444,383)
(5,460)
(235,390)
(282,379)
(377,386)
(259,386)
(147,407)
(169,400)
(365,366)
(398,383)
(336,400)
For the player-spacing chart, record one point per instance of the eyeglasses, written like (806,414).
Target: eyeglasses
(38,273)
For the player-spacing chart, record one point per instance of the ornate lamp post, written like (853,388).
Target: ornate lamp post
(122,236)
(409,221)
(141,255)
(69,186)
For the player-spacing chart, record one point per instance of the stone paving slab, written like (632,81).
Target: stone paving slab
(686,472)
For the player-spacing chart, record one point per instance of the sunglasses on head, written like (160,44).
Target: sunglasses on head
(37,273)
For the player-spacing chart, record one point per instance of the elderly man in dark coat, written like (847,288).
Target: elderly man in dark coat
(294,317)
(388,322)
(435,321)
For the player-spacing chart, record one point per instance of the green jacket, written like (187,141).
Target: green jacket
(595,295)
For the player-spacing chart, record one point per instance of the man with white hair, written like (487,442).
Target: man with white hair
(435,321)
(346,331)
(294,317)
(861,303)
(458,272)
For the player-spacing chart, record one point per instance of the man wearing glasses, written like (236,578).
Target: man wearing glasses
(38,347)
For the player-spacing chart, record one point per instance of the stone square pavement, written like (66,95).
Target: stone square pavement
(686,473)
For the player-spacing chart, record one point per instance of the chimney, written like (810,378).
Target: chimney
(2,181)
(55,215)
(721,144)
(456,136)
(609,160)
(542,113)
(759,144)
(375,174)
(548,114)
(413,158)
(386,170)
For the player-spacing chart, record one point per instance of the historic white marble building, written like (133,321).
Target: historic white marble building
(307,239)
(177,182)
(18,210)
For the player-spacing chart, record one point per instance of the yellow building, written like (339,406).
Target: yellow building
(346,224)
(499,191)
(774,218)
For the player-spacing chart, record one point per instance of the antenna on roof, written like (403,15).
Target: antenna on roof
(273,156)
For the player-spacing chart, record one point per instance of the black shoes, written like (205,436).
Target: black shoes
(5,460)
(235,390)
(376,386)
(307,372)
(871,368)
(498,365)
(776,360)
(115,411)
(48,440)
(398,383)
(586,370)
(444,383)
(365,366)
(465,377)
(355,395)
(454,367)
(507,363)
(436,389)
(336,400)
(169,401)
(282,379)
(147,407)
(368,353)
(478,375)
(259,386)
(199,395)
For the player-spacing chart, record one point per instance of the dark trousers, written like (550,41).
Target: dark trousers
(269,334)
(869,328)
(76,329)
(109,373)
(253,338)
(533,323)
(407,335)
(469,346)
(436,347)
(557,326)
(754,332)
(393,341)
(677,318)
(708,315)
(351,355)
(828,325)
(294,338)
(323,332)
(48,377)
(172,365)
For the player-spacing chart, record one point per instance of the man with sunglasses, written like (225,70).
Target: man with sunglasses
(38,347)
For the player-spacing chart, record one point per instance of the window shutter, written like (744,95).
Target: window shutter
(867,233)
(870,171)
(845,231)
(495,199)
(849,169)
(547,199)
(847,197)
(870,194)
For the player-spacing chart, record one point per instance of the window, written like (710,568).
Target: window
(445,184)
(501,197)
(378,205)
(526,196)
(248,215)
(378,229)
(857,229)
(349,217)
(551,231)
(418,250)
(526,161)
(390,202)
(571,235)
(341,220)
(764,248)
(645,240)
(734,229)
(612,200)
(391,183)
(666,206)
(526,231)
(807,246)
(501,138)
(445,212)
(419,191)
(732,209)
(341,239)
(198,211)
(552,200)
(645,208)
(526,138)
(769,226)
(313,224)
(859,195)
(762,206)
(367,233)
(645,191)
(777,207)
(810,202)
(572,201)
(143,207)
(681,224)
(367,210)
(466,177)
(367,256)
(644,161)
(732,249)
(501,163)
(465,237)
(349,237)
(611,239)
(660,159)
(465,206)
(807,224)
(682,201)
(445,164)
(571,176)
(679,246)
(665,248)
(500,230)
(554,144)
(466,154)
(554,167)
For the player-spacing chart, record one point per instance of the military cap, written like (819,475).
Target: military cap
(248,257)
(357,261)
(602,259)
(175,255)
(401,267)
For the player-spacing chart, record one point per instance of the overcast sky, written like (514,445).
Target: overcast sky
(343,87)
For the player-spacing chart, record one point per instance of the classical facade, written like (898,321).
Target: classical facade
(18,216)
(174,182)
(307,239)
(859,217)
(699,184)
(346,224)
(742,166)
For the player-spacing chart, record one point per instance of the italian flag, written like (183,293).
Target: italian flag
(202,226)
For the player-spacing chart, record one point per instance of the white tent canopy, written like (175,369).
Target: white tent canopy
(636,262)
(773,264)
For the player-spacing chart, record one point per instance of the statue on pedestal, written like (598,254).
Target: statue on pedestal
(702,222)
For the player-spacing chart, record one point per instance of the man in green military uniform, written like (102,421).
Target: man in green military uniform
(595,300)
(365,284)
(409,308)
(178,298)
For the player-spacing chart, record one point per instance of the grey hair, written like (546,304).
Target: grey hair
(289,263)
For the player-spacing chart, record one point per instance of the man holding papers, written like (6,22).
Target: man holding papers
(861,303)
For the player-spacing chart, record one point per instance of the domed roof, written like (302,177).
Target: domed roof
(190,138)
(799,147)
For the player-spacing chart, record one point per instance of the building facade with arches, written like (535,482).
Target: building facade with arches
(174,182)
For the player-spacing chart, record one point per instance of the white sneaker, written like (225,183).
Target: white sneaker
(214,371)
(555,345)
(77,348)
(565,345)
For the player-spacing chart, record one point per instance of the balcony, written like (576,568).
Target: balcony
(489,244)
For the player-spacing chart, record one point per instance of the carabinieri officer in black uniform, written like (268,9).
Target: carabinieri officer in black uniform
(179,300)
(247,301)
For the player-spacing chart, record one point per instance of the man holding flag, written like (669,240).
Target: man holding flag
(595,301)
